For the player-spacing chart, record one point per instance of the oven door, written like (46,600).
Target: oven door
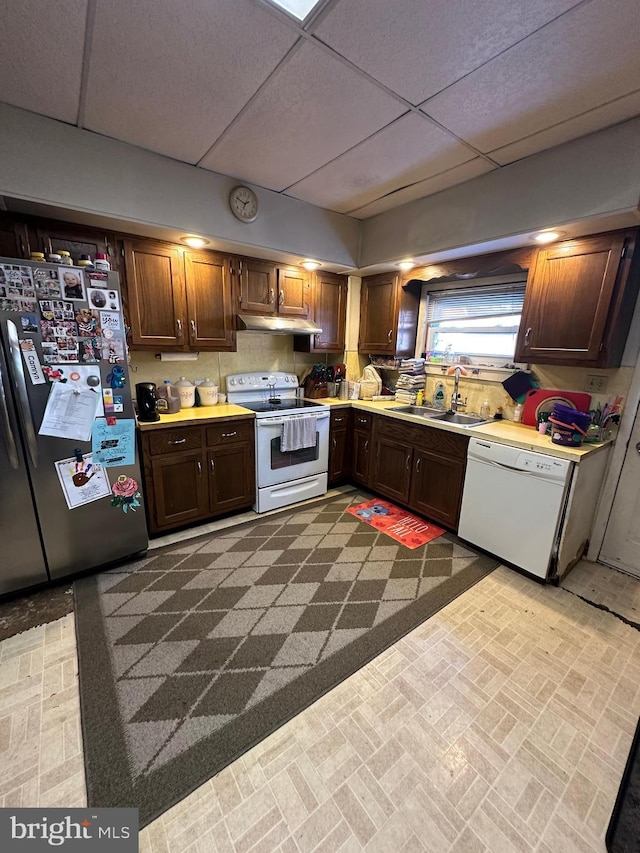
(275,466)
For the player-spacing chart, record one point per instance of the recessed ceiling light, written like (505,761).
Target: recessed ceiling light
(406,265)
(547,236)
(194,242)
(310,265)
(298,8)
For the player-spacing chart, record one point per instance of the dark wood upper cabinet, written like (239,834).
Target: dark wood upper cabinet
(258,285)
(14,238)
(75,239)
(211,322)
(329,312)
(156,301)
(579,302)
(388,316)
(294,292)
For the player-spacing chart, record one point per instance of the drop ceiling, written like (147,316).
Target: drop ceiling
(366,105)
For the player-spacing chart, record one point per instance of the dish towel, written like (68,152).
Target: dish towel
(298,432)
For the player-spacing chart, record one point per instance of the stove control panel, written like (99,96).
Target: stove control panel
(261,381)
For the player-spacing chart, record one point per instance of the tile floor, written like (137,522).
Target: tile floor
(608,587)
(502,724)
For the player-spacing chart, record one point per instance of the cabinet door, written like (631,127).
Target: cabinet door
(378,322)
(258,284)
(54,236)
(330,309)
(156,301)
(231,477)
(436,487)
(338,456)
(392,468)
(209,301)
(293,292)
(179,488)
(360,457)
(14,238)
(567,301)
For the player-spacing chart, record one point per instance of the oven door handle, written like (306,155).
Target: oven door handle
(269,422)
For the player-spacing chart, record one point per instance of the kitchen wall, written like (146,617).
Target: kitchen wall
(256,351)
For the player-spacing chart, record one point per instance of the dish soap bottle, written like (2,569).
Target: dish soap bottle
(420,398)
(517,413)
(438,399)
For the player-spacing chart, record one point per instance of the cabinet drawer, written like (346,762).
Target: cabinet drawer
(361,420)
(173,440)
(424,437)
(340,418)
(230,432)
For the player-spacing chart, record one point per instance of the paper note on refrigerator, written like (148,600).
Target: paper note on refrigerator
(114,444)
(70,413)
(82,480)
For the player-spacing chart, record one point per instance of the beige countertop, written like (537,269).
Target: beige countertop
(199,415)
(504,432)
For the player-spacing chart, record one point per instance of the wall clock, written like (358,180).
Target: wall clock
(243,203)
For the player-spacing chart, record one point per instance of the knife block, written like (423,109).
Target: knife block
(315,388)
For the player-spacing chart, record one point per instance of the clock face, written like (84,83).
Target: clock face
(244,204)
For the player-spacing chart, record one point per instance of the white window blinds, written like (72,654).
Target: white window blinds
(471,303)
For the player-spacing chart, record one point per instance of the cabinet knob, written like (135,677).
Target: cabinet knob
(228,434)
(179,441)
(272,295)
(333,444)
(408,463)
(527,336)
(212,465)
(179,326)
(193,329)
(389,335)
(366,446)
(418,465)
(199,464)
(281,297)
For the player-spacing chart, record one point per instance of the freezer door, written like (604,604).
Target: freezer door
(22,563)
(90,535)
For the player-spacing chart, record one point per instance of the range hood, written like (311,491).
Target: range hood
(277,325)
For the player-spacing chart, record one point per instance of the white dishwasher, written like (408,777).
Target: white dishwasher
(513,503)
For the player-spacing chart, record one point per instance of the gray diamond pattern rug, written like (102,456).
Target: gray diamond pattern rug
(192,655)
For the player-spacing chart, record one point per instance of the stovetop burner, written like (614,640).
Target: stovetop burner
(280,405)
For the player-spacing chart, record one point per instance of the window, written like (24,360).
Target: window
(298,8)
(480,322)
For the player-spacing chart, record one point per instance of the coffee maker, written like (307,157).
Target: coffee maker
(147,402)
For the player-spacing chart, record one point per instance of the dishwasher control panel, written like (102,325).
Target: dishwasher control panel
(544,465)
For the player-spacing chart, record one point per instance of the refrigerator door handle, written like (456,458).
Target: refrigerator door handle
(21,387)
(7,432)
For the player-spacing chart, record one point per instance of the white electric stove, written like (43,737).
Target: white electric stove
(282,477)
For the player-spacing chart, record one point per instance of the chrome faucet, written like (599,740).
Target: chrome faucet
(455,402)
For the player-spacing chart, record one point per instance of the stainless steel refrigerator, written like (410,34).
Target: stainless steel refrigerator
(59,324)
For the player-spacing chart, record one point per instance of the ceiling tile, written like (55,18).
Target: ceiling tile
(310,111)
(584,59)
(457,175)
(418,47)
(41,49)
(171,76)
(601,117)
(409,150)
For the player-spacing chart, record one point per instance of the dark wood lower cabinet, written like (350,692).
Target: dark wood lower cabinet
(195,473)
(360,456)
(436,486)
(392,469)
(420,467)
(339,435)
(231,481)
(179,488)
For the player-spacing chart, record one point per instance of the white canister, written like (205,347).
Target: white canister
(187,391)
(208,393)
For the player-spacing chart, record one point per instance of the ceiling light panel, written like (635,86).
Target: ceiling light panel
(298,8)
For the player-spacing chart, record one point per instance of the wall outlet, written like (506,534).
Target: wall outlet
(596,384)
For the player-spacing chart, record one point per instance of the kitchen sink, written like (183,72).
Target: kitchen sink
(459,419)
(423,411)
(438,415)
